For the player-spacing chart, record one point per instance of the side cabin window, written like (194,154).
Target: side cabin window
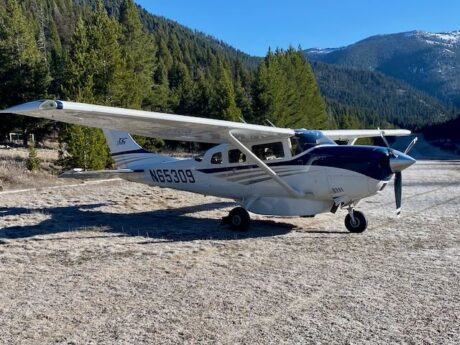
(216,158)
(236,156)
(269,151)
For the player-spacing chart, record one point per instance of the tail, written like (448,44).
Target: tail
(126,152)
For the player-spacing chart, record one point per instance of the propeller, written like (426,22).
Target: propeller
(411,145)
(382,135)
(398,192)
(398,162)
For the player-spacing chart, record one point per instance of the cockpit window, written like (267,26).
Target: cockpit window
(304,140)
(236,156)
(269,151)
(216,158)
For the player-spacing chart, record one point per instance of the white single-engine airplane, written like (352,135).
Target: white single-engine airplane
(266,170)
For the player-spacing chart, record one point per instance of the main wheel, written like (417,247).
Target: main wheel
(238,219)
(359,224)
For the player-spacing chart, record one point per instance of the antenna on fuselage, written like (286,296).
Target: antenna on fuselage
(271,123)
(242,119)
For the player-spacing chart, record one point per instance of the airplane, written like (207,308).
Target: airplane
(267,170)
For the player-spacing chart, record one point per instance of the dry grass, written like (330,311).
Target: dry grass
(121,263)
(14,174)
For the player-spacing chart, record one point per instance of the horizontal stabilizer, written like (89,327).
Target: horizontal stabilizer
(99,174)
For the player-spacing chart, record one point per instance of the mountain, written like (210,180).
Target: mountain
(192,40)
(193,73)
(427,61)
(373,95)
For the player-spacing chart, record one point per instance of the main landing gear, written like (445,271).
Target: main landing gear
(355,221)
(238,219)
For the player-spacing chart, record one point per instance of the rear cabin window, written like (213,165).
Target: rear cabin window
(236,156)
(216,158)
(269,151)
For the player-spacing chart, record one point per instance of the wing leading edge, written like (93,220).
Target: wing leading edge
(149,124)
(350,134)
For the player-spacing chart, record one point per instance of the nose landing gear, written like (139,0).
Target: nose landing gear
(355,221)
(238,219)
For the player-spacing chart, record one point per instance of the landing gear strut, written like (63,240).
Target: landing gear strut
(238,219)
(355,221)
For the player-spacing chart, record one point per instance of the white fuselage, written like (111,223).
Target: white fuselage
(254,189)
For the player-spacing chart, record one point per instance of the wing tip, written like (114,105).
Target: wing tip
(50,104)
(46,104)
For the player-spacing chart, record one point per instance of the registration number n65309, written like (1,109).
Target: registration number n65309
(172,176)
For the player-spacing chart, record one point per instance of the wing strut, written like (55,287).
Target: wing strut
(264,166)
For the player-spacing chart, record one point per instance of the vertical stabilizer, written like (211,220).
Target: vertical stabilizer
(126,152)
(120,141)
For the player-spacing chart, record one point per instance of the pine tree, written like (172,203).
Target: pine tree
(137,53)
(242,86)
(202,92)
(82,147)
(223,105)
(158,99)
(105,59)
(93,76)
(79,74)
(32,162)
(24,74)
(269,90)
(286,92)
(181,85)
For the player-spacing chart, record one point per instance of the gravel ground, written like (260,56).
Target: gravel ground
(121,263)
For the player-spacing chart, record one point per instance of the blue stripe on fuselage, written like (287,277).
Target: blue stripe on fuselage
(372,161)
(129,152)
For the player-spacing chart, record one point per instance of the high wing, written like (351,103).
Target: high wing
(149,124)
(173,127)
(352,134)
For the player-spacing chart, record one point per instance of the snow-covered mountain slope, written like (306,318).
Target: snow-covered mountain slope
(427,61)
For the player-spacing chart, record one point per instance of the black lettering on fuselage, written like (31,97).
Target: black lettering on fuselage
(172,176)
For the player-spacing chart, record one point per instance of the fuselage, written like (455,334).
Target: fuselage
(323,174)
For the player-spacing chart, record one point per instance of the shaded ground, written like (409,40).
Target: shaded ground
(119,263)
(423,150)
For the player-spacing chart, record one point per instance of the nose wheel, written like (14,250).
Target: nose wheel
(355,221)
(238,219)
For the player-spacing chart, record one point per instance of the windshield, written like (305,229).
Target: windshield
(199,157)
(306,139)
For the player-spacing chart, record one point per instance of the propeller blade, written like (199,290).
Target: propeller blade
(382,135)
(398,192)
(411,145)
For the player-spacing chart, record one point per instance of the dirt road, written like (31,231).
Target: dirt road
(119,263)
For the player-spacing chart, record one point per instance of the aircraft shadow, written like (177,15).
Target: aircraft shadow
(166,225)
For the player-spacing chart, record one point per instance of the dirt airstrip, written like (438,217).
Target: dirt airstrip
(120,263)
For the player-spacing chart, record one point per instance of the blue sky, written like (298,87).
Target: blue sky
(254,25)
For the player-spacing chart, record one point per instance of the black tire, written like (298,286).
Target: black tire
(238,219)
(360,223)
